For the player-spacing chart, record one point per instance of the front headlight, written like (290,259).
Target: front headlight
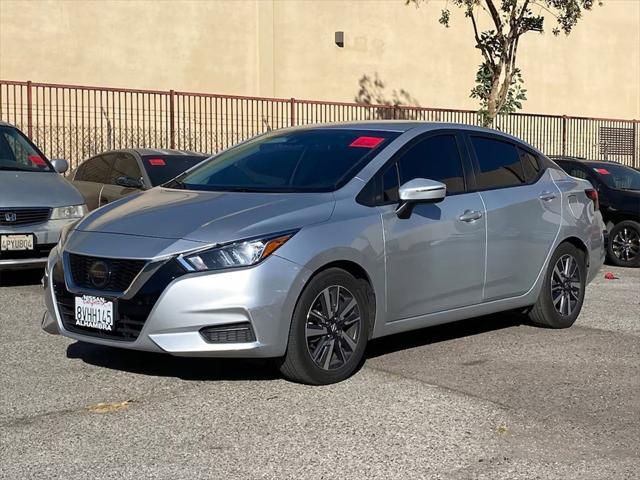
(238,254)
(72,211)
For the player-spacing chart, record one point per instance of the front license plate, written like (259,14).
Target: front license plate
(94,312)
(16,242)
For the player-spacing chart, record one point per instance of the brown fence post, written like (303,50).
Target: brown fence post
(29,111)
(172,126)
(292,108)
(636,159)
(564,135)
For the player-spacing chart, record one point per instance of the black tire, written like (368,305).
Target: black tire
(344,356)
(561,313)
(623,248)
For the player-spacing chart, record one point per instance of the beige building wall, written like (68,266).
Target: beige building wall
(286,48)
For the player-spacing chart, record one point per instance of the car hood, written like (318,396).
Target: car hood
(208,217)
(36,189)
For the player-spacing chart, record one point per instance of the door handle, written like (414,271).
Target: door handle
(470,216)
(547,196)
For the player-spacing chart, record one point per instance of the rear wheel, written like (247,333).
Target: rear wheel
(329,329)
(562,295)
(623,249)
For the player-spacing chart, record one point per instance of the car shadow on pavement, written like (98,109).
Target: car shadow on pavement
(442,333)
(163,365)
(203,369)
(19,278)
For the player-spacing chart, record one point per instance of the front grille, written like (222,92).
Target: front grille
(122,272)
(234,333)
(130,315)
(23,216)
(39,251)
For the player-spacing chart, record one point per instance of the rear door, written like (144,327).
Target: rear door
(123,164)
(434,258)
(89,179)
(523,213)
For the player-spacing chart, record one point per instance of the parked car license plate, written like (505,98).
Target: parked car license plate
(94,312)
(16,242)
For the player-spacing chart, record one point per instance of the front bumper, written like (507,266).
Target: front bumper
(263,296)
(46,234)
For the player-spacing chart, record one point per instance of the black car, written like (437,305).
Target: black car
(116,173)
(618,189)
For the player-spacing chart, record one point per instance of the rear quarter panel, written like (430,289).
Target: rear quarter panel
(580,219)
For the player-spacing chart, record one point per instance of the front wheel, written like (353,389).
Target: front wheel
(623,249)
(329,329)
(562,295)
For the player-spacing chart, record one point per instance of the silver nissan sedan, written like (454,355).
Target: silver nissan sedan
(302,244)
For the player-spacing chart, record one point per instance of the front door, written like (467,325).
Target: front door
(435,259)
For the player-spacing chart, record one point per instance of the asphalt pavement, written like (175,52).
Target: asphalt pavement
(487,398)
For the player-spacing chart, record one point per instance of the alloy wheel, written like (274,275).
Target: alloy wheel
(565,285)
(626,244)
(333,327)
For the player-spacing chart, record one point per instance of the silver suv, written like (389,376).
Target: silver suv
(35,201)
(305,243)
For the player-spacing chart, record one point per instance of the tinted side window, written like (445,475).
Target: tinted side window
(124,165)
(499,163)
(390,184)
(78,175)
(435,158)
(576,172)
(530,165)
(95,169)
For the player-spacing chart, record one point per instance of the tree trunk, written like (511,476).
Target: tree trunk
(492,101)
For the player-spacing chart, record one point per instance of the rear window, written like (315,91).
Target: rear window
(293,161)
(618,176)
(18,153)
(162,168)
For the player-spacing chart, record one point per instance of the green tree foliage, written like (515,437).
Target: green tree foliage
(499,83)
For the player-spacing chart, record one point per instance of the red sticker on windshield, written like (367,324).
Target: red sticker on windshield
(157,162)
(36,160)
(602,171)
(366,142)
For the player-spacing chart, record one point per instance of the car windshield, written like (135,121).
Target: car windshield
(293,161)
(162,168)
(619,176)
(18,154)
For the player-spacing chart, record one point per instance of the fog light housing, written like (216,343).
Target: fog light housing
(229,333)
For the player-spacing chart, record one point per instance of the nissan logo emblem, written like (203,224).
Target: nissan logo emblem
(10,217)
(99,274)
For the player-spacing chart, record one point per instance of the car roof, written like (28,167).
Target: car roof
(400,126)
(591,163)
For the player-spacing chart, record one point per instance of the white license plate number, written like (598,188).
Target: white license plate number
(16,242)
(94,312)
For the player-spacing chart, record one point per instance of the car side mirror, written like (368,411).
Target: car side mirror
(129,182)
(419,190)
(60,165)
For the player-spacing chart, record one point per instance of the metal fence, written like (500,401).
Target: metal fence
(76,122)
